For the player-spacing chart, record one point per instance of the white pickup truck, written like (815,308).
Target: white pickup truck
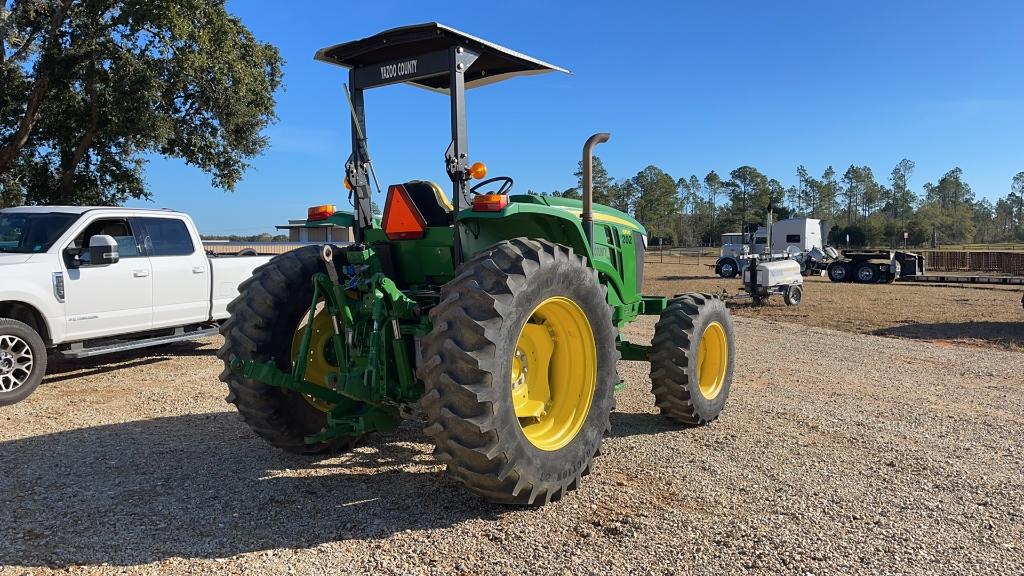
(84,281)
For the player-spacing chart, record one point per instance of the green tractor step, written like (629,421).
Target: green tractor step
(492,316)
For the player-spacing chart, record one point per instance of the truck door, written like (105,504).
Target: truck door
(181,274)
(113,299)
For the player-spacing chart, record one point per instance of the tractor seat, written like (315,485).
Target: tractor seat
(431,201)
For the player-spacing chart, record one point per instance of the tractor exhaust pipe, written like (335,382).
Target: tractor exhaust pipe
(588,185)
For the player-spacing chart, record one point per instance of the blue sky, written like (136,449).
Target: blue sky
(686,86)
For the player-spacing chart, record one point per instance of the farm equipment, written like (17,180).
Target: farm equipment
(775,278)
(494,317)
(770,278)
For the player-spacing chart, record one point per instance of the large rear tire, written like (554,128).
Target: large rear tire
(520,372)
(22,361)
(264,317)
(692,359)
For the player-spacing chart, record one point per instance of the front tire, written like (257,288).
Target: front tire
(519,371)
(264,317)
(692,359)
(22,361)
(727,269)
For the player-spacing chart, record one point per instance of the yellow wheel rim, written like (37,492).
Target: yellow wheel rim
(318,366)
(712,360)
(554,373)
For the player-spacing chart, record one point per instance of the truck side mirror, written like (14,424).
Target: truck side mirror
(102,251)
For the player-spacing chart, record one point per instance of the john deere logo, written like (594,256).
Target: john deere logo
(398,69)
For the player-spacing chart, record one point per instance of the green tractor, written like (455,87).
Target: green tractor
(494,317)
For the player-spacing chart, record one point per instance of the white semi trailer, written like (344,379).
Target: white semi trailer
(789,236)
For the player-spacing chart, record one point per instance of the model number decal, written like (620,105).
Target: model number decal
(398,69)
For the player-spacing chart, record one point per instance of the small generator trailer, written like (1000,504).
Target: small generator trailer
(492,317)
(772,278)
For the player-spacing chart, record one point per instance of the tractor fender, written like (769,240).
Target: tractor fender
(482,229)
(479,230)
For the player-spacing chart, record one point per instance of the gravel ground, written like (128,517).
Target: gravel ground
(907,462)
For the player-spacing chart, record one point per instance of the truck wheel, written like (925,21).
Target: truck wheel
(727,269)
(793,295)
(839,272)
(520,372)
(691,359)
(265,317)
(22,361)
(867,273)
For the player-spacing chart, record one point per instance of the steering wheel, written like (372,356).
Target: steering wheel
(506,185)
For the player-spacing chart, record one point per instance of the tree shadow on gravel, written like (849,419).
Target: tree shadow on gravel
(1004,333)
(202,486)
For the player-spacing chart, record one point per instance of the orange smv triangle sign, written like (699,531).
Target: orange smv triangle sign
(402,220)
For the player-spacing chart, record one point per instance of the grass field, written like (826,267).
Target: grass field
(970,315)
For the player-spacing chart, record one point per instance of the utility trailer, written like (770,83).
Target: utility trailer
(954,279)
(875,266)
(878,266)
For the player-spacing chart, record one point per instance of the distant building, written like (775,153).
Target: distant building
(323,224)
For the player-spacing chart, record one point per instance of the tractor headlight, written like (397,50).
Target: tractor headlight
(644,238)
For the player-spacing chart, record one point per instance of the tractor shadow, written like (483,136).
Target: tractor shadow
(1008,334)
(59,368)
(203,486)
(625,424)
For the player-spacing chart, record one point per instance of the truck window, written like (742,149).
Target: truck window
(167,237)
(118,228)
(761,240)
(792,238)
(28,232)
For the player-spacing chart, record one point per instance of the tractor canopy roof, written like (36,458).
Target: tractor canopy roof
(400,47)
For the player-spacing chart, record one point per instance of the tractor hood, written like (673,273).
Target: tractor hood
(602,213)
